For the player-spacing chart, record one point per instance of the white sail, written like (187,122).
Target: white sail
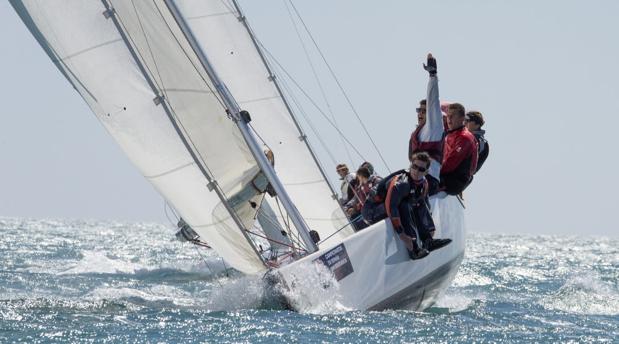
(222,34)
(85,43)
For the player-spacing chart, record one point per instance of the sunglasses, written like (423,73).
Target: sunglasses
(467,120)
(418,168)
(421,110)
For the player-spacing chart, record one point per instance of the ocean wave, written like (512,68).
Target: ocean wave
(467,277)
(454,303)
(584,294)
(99,263)
(304,297)
(156,296)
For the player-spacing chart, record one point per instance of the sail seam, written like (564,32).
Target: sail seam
(210,15)
(258,100)
(180,90)
(305,183)
(90,49)
(170,171)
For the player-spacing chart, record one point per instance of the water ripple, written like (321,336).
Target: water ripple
(104,281)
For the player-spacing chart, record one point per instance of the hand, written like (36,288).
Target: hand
(349,211)
(431,67)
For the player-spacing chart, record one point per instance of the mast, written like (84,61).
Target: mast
(242,123)
(159,99)
(273,78)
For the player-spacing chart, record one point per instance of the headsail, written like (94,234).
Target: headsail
(123,76)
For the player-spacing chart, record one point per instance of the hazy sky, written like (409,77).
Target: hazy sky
(544,74)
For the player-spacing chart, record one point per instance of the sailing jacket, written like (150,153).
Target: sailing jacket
(401,188)
(459,155)
(483,148)
(361,193)
(346,189)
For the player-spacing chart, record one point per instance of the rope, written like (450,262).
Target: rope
(273,240)
(337,231)
(339,85)
(209,266)
(322,91)
(165,211)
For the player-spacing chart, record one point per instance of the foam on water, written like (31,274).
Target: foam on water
(99,262)
(305,297)
(453,303)
(585,294)
(231,294)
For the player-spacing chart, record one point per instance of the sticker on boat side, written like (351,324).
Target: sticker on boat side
(336,259)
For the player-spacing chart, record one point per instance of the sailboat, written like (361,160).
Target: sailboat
(185,90)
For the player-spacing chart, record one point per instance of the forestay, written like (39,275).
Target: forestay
(175,140)
(220,30)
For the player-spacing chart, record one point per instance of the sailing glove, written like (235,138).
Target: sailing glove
(431,66)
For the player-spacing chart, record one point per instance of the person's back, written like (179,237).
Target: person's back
(474,121)
(365,183)
(459,153)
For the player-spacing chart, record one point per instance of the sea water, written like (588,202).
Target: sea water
(103,282)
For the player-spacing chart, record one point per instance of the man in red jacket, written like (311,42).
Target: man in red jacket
(459,153)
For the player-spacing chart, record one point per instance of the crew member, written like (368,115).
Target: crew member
(428,136)
(459,153)
(347,178)
(474,120)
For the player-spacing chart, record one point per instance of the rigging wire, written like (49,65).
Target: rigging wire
(339,85)
(309,98)
(209,266)
(340,229)
(313,68)
(274,221)
(301,111)
(165,211)
(167,206)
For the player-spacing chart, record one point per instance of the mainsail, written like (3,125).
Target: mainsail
(225,37)
(133,65)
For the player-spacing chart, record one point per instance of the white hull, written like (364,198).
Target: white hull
(374,271)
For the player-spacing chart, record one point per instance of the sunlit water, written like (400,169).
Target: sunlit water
(82,281)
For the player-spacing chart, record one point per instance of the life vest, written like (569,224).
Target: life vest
(378,193)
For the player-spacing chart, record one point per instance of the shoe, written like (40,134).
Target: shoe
(417,252)
(435,244)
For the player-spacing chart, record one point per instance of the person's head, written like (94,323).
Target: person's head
(455,116)
(420,165)
(363,175)
(369,166)
(421,112)
(342,170)
(270,156)
(474,120)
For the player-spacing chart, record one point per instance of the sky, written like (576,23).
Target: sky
(544,74)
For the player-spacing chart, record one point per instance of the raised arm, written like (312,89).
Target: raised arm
(433,129)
